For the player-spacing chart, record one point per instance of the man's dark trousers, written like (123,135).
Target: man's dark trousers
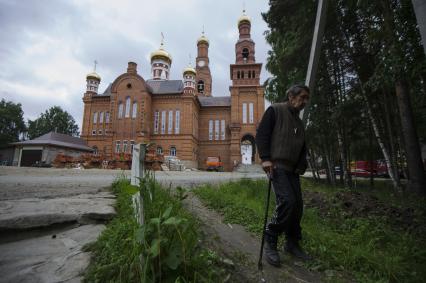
(289,205)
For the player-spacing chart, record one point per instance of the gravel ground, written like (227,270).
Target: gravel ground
(25,182)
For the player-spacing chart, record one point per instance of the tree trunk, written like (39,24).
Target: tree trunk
(380,141)
(344,161)
(417,179)
(393,154)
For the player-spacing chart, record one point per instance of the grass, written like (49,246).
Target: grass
(165,249)
(367,248)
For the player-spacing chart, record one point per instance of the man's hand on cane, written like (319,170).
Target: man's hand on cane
(267,167)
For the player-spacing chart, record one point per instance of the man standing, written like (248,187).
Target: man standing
(280,139)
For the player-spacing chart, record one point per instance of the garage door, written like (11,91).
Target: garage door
(30,157)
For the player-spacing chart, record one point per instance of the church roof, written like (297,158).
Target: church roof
(58,139)
(210,101)
(165,86)
(107,92)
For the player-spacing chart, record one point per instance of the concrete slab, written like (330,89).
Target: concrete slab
(30,213)
(49,258)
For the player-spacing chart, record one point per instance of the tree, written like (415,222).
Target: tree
(55,119)
(11,122)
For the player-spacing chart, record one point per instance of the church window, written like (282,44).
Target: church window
(101,117)
(95,117)
(120,110)
(100,132)
(201,86)
(238,75)
(245,54)
(211,130)
(170,123)
(249,74)
(251,113)
(177,122)
(216,129)
(159,150)
(253,74)
(159,73)
(124,146)
(222,129)
(117,146)
(242,74)
(173,151)
(93,132)
(95,150)
(107,117)
(156,121)
(244,113)
(132,146)
(135,109)
(163,122)
(127,107)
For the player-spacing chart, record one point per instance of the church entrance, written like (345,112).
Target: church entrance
(248,150)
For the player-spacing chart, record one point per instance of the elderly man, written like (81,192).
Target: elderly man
(280,139)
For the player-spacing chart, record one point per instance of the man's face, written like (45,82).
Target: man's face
(299,101)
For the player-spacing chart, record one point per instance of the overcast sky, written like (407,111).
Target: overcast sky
(48,46)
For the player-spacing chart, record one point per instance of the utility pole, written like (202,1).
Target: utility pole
(315,51)
(420,11)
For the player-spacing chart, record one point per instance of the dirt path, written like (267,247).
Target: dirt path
(235,243)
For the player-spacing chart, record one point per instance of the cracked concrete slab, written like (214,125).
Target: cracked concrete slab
(50,258)
(33,212)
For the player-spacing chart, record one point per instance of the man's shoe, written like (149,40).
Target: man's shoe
(294,249)
(271,252)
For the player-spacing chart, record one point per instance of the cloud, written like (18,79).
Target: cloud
(48,47)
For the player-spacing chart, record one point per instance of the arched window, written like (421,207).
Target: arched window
(172,151)
(201,86)
(245,54)
(127,107)
(135,109)
(253,74)
(238,75)
(159,150)
(249,74)
(242,74)
(120,110)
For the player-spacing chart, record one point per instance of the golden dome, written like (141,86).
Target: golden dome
(161,54)
(244,18)
(189,69)
(203,38)
(93,75)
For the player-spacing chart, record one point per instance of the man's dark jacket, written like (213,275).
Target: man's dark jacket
(280,138)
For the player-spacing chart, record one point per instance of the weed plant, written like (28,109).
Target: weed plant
(367,248)
(165,249)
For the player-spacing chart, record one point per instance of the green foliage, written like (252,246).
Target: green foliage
(55,119)
(165,249)
(11,122)
(368,248)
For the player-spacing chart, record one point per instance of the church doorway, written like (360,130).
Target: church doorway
(248,150)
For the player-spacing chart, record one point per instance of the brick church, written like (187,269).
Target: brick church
(181,117)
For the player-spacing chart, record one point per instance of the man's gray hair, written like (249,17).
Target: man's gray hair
(297,89)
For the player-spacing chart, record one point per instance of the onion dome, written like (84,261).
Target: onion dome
(93,75)
(189,69)
(244,19)
(203,39)
(161,54)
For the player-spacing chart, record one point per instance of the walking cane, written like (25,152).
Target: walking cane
(259,264)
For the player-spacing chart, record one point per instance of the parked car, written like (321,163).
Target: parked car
(213,163)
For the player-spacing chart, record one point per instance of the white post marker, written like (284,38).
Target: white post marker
(137,163)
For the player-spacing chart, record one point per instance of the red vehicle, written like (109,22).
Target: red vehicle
(364,168)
